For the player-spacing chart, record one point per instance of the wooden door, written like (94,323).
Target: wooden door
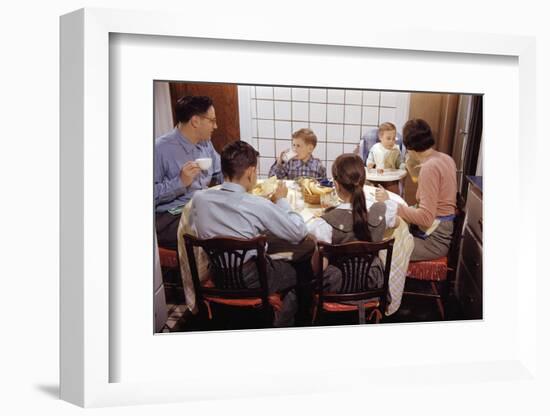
(226,103)
(439,110)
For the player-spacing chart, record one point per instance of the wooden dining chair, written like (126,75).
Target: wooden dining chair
(438,274)
(171,275)
(354,260)
(225,284)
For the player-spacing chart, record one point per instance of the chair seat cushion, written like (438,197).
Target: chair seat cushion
(435,270)
(274,299)
(168,258)
(344,307)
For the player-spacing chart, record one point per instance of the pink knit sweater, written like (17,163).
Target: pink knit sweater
(436,194)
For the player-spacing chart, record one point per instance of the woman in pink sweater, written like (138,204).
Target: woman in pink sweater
(431,219)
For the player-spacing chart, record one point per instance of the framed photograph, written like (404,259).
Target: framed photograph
(304,135)
(111,353)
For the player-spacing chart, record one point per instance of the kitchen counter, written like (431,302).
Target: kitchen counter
(477,181)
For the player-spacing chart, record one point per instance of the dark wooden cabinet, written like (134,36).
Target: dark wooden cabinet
(469,282)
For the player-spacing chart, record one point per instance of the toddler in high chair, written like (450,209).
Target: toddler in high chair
(386,154)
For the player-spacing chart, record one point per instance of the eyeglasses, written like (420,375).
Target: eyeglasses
(212,120)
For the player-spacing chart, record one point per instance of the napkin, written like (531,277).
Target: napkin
(392,160)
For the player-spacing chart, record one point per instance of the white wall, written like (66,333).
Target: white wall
(339,118)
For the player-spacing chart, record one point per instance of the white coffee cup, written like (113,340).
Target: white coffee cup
(204,162)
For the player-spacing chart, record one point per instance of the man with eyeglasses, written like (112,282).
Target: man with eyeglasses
(177,175)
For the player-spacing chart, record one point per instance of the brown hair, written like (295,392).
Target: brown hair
(349,171)
(387,126)
(306,135)
(417,135)
(190,105)
(236,157)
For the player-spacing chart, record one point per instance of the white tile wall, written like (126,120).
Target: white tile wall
(333,150)
(335,113)
(371,98)
(388,99)
(370,116)
(336,96)
(300,111)
(283,129)
(329,168)
(354,97)
(264,93)
(317,112)
(265,164)
(335,132)
(338,117)
(320,130)
(352,114)
(317,95)
(349,147)
(266,129)
(283,110)
(297,125)
(281,93)
(266,146)
(387,114)
(264,109)
(366,129)
(352,134)
(300,94)
(320,150)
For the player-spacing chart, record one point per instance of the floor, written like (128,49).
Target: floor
(413,309)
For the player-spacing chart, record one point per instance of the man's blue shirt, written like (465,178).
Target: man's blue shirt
(172,151)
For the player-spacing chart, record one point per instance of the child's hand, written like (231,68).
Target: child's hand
(381,194)
(280,192)
(370,165)
(281,159)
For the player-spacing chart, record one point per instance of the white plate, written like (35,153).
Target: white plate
(388,175)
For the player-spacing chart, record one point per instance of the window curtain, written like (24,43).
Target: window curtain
(163,109)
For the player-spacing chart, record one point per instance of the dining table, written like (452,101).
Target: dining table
(402,249)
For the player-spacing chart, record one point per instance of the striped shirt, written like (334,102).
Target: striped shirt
(295,168)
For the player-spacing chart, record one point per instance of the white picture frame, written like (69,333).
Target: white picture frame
(87,356)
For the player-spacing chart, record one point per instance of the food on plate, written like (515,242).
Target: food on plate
(266,188)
